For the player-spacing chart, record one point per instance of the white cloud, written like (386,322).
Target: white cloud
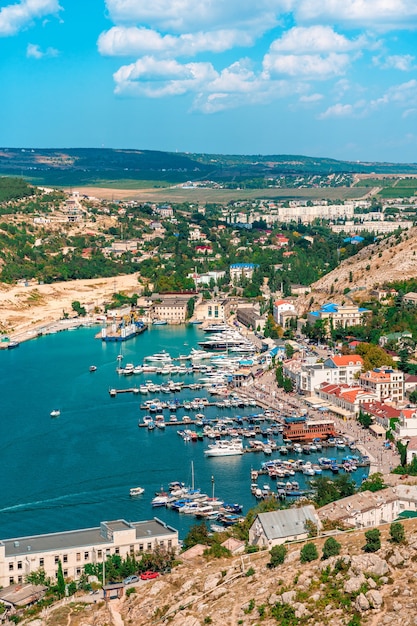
(373,14)
(33,51)
(16,17)
(308,66)
(312,98)
(338,110)
(402,62)
(191,15)
(126,41)
(213,91)
(300,40)
(401,95)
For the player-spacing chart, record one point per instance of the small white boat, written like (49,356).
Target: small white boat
(55,413)
(136,491)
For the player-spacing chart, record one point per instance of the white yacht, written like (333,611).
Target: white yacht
(224,447)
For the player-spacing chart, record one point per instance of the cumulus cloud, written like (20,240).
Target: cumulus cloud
(125,41)
(312,98)
(402,62)
(16,17)
(33,51)
(190,16)
(212,90)
(338,110)
(300,40)
(309,66)
(404,94)
(375,14)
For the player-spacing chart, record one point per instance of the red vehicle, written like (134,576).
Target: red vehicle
(148,575)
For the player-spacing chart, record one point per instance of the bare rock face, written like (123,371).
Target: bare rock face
(288,597)
(396,559)
(361,603)
(185,620)
(212,581)
(354,584)
(371,563)
(374,598)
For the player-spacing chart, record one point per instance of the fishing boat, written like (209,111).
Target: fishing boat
(55,413)
(136,491)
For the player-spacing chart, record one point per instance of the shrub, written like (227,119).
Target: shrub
(278,554)
(331,548)
(373,540)
(397,534)
(309,553)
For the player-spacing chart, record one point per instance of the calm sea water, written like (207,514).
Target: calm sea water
(76,470)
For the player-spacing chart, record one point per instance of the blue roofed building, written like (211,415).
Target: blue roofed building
(338,315)
(242,270)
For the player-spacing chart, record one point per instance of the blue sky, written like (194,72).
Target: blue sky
(333,78)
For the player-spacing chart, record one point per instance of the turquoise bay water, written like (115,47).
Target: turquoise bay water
(76,470)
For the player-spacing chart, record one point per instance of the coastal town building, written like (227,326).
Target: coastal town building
(381,413)
(282,307)
(411,449)
(299,290)
(276,527)
(385,382)
(344,399)
(241,270)
(212,310)
(338,316)
(250,317)
(410,298)
(366,509)
(372,226)
(335,370)
(74,549)
(406,427)
(173,311)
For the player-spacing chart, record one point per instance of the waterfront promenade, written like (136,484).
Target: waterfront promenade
(268,395)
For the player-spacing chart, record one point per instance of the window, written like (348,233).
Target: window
(161,543)
(132,549)
(65,572)
(169,543)
(149,546)
(56,559)
(41,562)
(11,567)
(78,571)
(86,554)
(19,565)
(65,558)
(78,556)
(99,554)
(117,550)
(141,547)
(11,580)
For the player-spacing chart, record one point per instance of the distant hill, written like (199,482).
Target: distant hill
(84,166)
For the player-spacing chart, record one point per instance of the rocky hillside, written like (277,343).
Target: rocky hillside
(355,588)
(394,258)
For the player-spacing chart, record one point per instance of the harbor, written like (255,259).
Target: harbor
(72,484)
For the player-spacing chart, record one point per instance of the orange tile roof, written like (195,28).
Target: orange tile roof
(347,359)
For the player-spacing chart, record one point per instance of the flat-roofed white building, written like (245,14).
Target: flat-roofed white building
(75,548)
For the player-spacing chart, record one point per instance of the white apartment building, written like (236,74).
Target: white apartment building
(385,383)
(241,270)
(74,549)
(336,370)
(280,307)
(338,316)
(406,427)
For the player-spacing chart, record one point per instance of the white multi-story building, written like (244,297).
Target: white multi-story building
(280,307)
(76,548)
(338,316)
(385,383)
(241,270)
(336,370)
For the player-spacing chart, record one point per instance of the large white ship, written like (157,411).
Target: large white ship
(225,447)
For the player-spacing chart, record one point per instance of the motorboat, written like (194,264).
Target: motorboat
(136,491)
(225,447)
(55,413)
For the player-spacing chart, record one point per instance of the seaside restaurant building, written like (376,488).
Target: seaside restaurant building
(76,548)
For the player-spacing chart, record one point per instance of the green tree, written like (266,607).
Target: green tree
(373,540)
(365,419)
(278,554)
(397,533)
(331,547)
(374,482)
(80,310)
(198,533)
(308,553)
(311,528)
(60,581)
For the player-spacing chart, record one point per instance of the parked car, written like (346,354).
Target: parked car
(131,579)
(148,575)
